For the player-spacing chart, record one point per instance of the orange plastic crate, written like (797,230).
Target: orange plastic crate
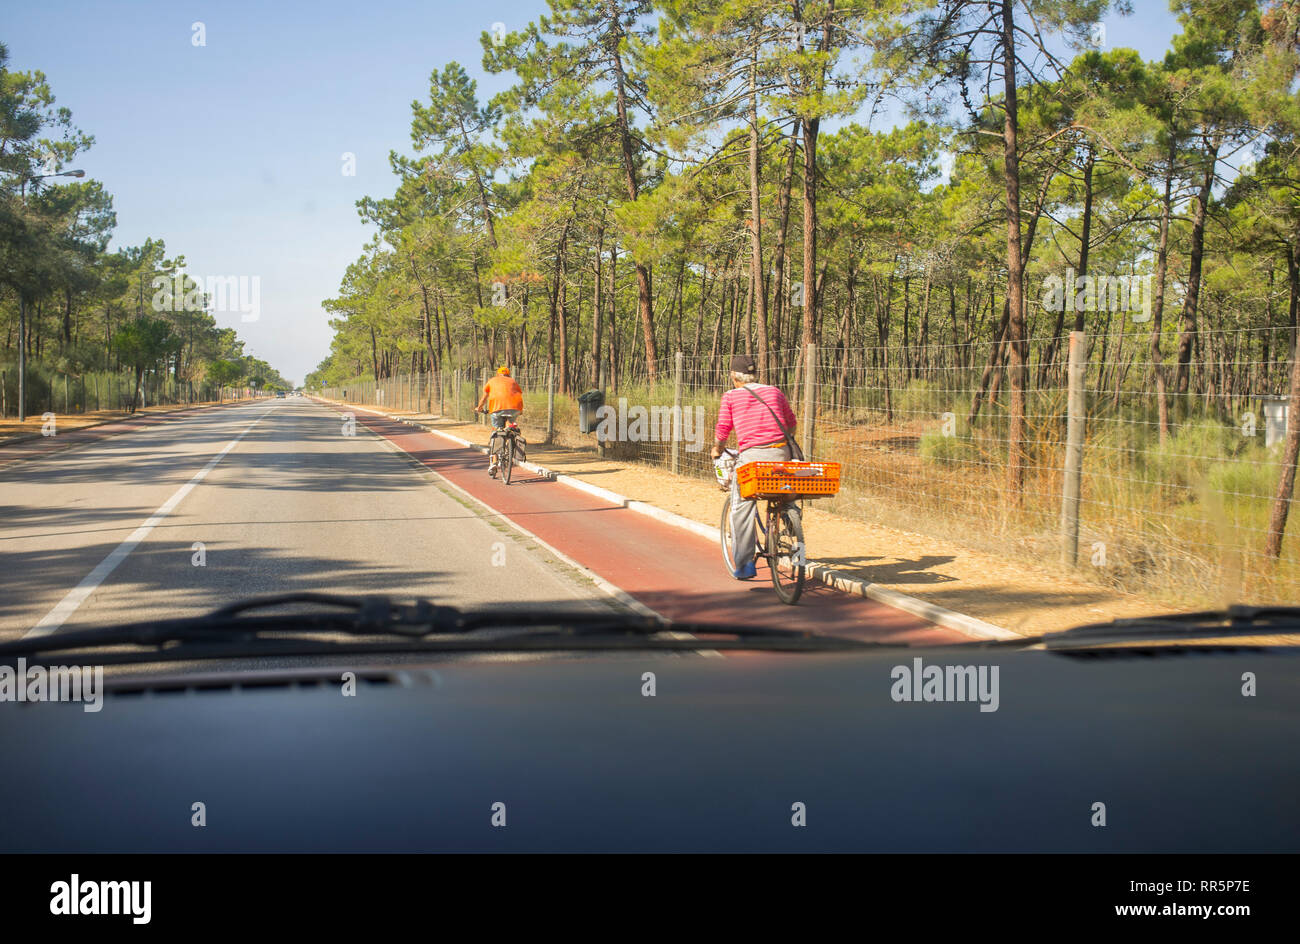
(788,479)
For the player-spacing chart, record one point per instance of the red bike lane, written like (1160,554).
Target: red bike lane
(674,572)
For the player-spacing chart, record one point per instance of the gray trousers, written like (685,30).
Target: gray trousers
(744,512)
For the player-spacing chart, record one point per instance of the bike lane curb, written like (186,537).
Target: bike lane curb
(837,579)
(917,615)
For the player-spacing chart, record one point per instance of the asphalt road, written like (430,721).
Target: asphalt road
(675,573)
(109,530)
(180,515)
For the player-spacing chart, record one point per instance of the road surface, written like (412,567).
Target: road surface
(183,514)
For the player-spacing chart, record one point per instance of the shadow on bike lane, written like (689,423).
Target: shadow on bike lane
(674,572)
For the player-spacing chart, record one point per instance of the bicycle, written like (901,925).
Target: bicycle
(505,445)
(779,540)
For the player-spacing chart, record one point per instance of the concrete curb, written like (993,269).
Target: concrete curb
(836,579)
(949,619)
(609,588)
(847,583)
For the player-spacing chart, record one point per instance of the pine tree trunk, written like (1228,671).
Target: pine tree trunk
(1017,342)
(756,229)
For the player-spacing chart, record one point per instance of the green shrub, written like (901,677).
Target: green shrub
(947,450)
(1185,459)
(1254,476)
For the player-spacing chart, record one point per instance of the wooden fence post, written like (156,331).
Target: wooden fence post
(1075,424)
(809,401)
(550,403)
(677,413)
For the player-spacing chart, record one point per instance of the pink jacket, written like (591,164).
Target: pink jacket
(753,424)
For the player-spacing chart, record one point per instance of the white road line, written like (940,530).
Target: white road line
(77,596)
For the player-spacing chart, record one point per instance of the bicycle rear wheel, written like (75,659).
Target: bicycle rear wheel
(783,537)
(507,462)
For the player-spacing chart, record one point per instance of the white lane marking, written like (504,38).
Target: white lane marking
(77,596)
(20,464)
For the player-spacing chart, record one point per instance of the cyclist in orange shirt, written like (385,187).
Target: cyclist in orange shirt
(503,398)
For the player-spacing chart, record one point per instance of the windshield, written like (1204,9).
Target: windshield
(707,426)
(744,325)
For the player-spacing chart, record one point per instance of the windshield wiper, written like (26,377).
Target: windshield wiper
(1235,621)
(390,627)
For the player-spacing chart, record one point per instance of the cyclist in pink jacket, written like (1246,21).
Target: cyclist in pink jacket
(764,425)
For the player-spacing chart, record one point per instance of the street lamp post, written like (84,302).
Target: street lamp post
(22,308)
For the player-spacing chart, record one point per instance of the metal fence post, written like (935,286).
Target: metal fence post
(677,413)
(550,403)
(601,445)
(809,392)
(1076,409)
(22,357)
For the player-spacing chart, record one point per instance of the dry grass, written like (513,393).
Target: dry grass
(1145,527)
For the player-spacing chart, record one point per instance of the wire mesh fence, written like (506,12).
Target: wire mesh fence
(1178,463)
(97,391)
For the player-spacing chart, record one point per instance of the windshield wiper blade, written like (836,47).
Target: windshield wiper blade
(421,626)
(1235,621)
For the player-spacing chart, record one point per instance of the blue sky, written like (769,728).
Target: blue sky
(232,152)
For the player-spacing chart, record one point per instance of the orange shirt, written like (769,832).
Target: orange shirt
(503,393)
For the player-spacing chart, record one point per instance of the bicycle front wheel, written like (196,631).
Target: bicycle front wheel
(784,536)
(728,538)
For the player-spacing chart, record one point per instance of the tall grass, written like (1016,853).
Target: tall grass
(64,393)
(1173,518)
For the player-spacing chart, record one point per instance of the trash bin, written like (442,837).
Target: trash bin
(1275,417)
(588,404)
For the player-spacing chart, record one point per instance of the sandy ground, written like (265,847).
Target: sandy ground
(1020,597)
